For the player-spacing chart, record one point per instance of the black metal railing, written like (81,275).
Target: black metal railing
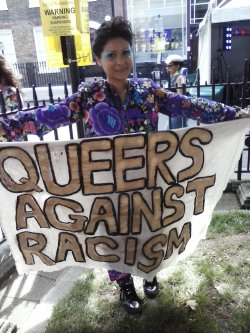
(39,74)
(232,93)
(242,100)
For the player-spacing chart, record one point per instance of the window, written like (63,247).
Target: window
(160,28)
(41,52)
(7,47)
(3,5)
(198,9)
(39,42)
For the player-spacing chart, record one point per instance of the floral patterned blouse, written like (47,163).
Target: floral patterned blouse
(103,112)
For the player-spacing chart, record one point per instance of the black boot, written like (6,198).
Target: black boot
(128,297)
(151,288)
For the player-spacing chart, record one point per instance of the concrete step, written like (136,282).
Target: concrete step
(243,193)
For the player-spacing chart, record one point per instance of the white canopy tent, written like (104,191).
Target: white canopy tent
(235,10)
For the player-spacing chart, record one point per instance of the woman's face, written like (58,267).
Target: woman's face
(116,60)
(172,68)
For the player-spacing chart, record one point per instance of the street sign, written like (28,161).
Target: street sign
(82,16)
(62,18)
(58,17)
(54,55)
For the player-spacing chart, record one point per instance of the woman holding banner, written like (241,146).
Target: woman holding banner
(114,106)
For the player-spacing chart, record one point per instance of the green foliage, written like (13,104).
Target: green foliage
(228,223)
(241,321)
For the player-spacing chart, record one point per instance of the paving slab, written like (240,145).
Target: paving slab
(21,294)
(6,326)
(40,315)
(228,201)
(6,261)
(29,287)
(16,311)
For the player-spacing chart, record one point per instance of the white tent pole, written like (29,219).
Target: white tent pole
(204,56)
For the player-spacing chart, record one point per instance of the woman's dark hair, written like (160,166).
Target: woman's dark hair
(116,27)
(7,75)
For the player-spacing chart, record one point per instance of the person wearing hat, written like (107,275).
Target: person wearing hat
(174,63)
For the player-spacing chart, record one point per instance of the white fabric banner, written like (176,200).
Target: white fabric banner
(134,203)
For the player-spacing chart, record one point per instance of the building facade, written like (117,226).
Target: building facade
(161,27)
(21,38)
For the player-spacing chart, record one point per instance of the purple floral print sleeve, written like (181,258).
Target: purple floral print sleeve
(103,112)
(201,109)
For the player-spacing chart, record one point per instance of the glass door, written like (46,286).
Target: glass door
(160,28)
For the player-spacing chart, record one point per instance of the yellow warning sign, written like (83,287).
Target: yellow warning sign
(58,17)
(54,55)
(82,15)
(66,18)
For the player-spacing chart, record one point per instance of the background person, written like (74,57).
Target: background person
(113,106)
(9,81)
(174,63)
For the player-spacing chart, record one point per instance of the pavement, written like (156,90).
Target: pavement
(27,301)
